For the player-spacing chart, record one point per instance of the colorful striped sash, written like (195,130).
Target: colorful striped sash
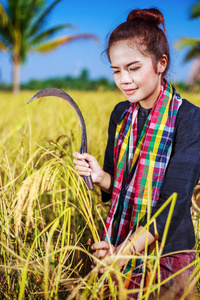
(132,160)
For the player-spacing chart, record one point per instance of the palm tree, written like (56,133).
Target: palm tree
(21,32)
(193,46)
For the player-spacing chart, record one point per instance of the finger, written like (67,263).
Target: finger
(102,270)
(75,154)
(84,156)
(107,262)
(84,173)
(83,169)
(101,253)
(88,242)
(112,251)
(80,162)
(101,245)
(78,157)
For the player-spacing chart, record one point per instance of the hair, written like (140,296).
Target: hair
(142,28)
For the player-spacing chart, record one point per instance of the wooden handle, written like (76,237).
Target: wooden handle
(88,181)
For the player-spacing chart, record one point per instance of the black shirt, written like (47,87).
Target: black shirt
(181,176)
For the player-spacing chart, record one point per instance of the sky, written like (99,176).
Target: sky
(100,17)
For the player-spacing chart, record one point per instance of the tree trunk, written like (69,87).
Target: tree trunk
(16,74)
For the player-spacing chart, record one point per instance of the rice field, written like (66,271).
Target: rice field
(48,217)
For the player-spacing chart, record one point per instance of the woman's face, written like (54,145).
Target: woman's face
(134,73)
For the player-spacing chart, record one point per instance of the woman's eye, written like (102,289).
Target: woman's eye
(134,69)
(116,71)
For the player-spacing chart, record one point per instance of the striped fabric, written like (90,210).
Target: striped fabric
(132,161)
(174,288)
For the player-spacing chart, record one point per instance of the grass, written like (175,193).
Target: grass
(47,214)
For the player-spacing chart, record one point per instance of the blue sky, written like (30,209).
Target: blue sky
(100,17)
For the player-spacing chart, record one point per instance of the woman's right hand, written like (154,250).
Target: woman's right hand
(87,165)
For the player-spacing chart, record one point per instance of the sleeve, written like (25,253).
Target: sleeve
(183,171)
(108,158)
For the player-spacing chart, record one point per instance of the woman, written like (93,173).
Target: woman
(155,120)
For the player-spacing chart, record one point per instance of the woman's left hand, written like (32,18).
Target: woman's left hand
(102,249)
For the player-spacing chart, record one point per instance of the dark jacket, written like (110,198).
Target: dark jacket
(181,176)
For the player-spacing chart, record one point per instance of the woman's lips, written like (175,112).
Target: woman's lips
(129,91)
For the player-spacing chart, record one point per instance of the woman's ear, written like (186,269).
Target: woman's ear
(162,64)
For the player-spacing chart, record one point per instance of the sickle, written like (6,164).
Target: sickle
(61,94)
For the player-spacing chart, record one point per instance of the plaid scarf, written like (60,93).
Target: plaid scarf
(132,161)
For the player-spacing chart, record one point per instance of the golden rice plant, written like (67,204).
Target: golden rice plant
(47,213)
(37,240)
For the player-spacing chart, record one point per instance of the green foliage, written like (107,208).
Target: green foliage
(195,11)
(192,44)
(78,83)
(189,88)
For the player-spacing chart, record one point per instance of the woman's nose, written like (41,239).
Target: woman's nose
(125,77)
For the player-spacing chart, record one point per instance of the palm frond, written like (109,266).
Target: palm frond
(5,36)
(48,33)
(186,42)
(6,27)
(41,19)
(195,11)
(53,44)
(14,8)
(2,46)
(193,53)
(33,7)
(30,11)
(3,16)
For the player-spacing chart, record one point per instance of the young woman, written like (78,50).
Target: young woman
(156,120)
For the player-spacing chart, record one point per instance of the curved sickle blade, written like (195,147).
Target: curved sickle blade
(61,94)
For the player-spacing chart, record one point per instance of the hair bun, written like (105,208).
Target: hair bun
(152,15)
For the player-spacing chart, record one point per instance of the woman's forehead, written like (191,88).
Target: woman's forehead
(124,51)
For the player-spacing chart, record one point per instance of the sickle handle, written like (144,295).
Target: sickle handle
(88,181)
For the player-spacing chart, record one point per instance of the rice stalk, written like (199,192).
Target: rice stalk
(194,278)
(25,269)
(84,202)
(38,182)
(159,253)
(155,287)
(149,197)
(46,261)
(66,224)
